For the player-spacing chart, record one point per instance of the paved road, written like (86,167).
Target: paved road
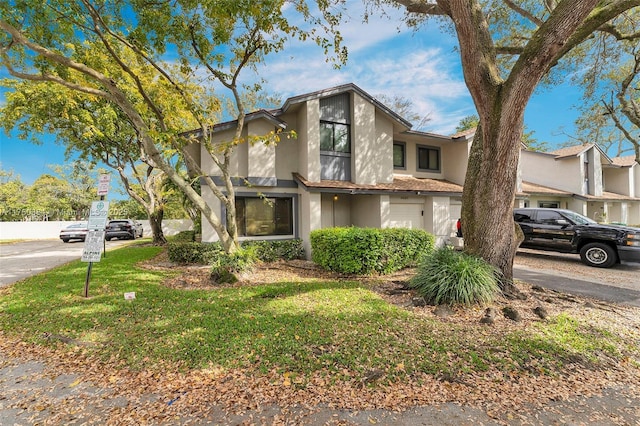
(22,259)
(578,287)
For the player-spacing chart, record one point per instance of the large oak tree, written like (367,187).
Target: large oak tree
(507,48)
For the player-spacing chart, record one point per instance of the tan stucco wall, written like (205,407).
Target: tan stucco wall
(618,180)
(384,149)
(309,140)
(543,169)
(336,210)
(287,150)
(310,217)
(366,211)
(595,171)
(238,160)
(578,206)
(208,233)
(261,158)
(363,143)
(633,213)
(455,156)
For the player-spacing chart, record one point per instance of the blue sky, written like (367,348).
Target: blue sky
(422,67)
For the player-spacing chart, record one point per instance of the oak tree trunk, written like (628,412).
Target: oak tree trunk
(155,222)
(487,203)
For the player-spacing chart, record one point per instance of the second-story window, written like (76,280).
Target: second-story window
(334,137)
(399,155)
(428,158)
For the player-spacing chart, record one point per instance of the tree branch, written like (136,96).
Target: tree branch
(423,7)
(99,22)
(524,13)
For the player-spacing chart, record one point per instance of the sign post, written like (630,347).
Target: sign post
(94,244)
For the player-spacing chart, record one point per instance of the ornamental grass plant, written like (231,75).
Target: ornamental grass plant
(447,276)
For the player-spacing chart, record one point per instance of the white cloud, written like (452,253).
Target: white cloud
(428,77)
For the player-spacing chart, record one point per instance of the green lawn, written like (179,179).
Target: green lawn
(342,327)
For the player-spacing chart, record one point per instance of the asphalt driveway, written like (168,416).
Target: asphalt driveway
(565,273)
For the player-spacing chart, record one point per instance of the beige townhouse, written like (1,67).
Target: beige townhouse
(353,162)
(584,179)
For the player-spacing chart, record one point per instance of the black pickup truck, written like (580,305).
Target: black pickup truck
(600,245)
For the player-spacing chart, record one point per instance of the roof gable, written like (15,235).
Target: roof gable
(349,87)
(576,150)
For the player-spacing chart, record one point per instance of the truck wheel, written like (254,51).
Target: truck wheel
(599,255)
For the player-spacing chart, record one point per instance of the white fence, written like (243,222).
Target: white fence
(51,229)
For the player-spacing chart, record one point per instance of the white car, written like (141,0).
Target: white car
(76,231)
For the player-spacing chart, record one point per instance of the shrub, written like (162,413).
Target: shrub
(347,250)
(186,251)
(226,267)
(446,276)
(403,248)
(192,252)
(184,237)
(273,250)
(368,250)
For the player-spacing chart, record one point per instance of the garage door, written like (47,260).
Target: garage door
(406,216)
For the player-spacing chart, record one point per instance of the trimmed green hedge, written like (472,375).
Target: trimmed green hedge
(192,252)
(207,253)
(183,237)
(369,250)
(273,250)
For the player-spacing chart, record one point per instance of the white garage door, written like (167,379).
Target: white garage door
(406,216)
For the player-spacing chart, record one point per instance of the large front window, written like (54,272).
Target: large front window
(264,216)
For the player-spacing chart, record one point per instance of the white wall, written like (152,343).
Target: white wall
(51,229)
(544,169)
(455,156)
(618,180)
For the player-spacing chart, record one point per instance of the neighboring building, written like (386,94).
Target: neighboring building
(356,162)
(584,179)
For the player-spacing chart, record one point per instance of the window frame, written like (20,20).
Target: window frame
(404,155)
(242,227)
(333,125)
(437,149)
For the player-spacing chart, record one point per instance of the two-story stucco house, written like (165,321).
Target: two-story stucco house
(354,162)
(584,179)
